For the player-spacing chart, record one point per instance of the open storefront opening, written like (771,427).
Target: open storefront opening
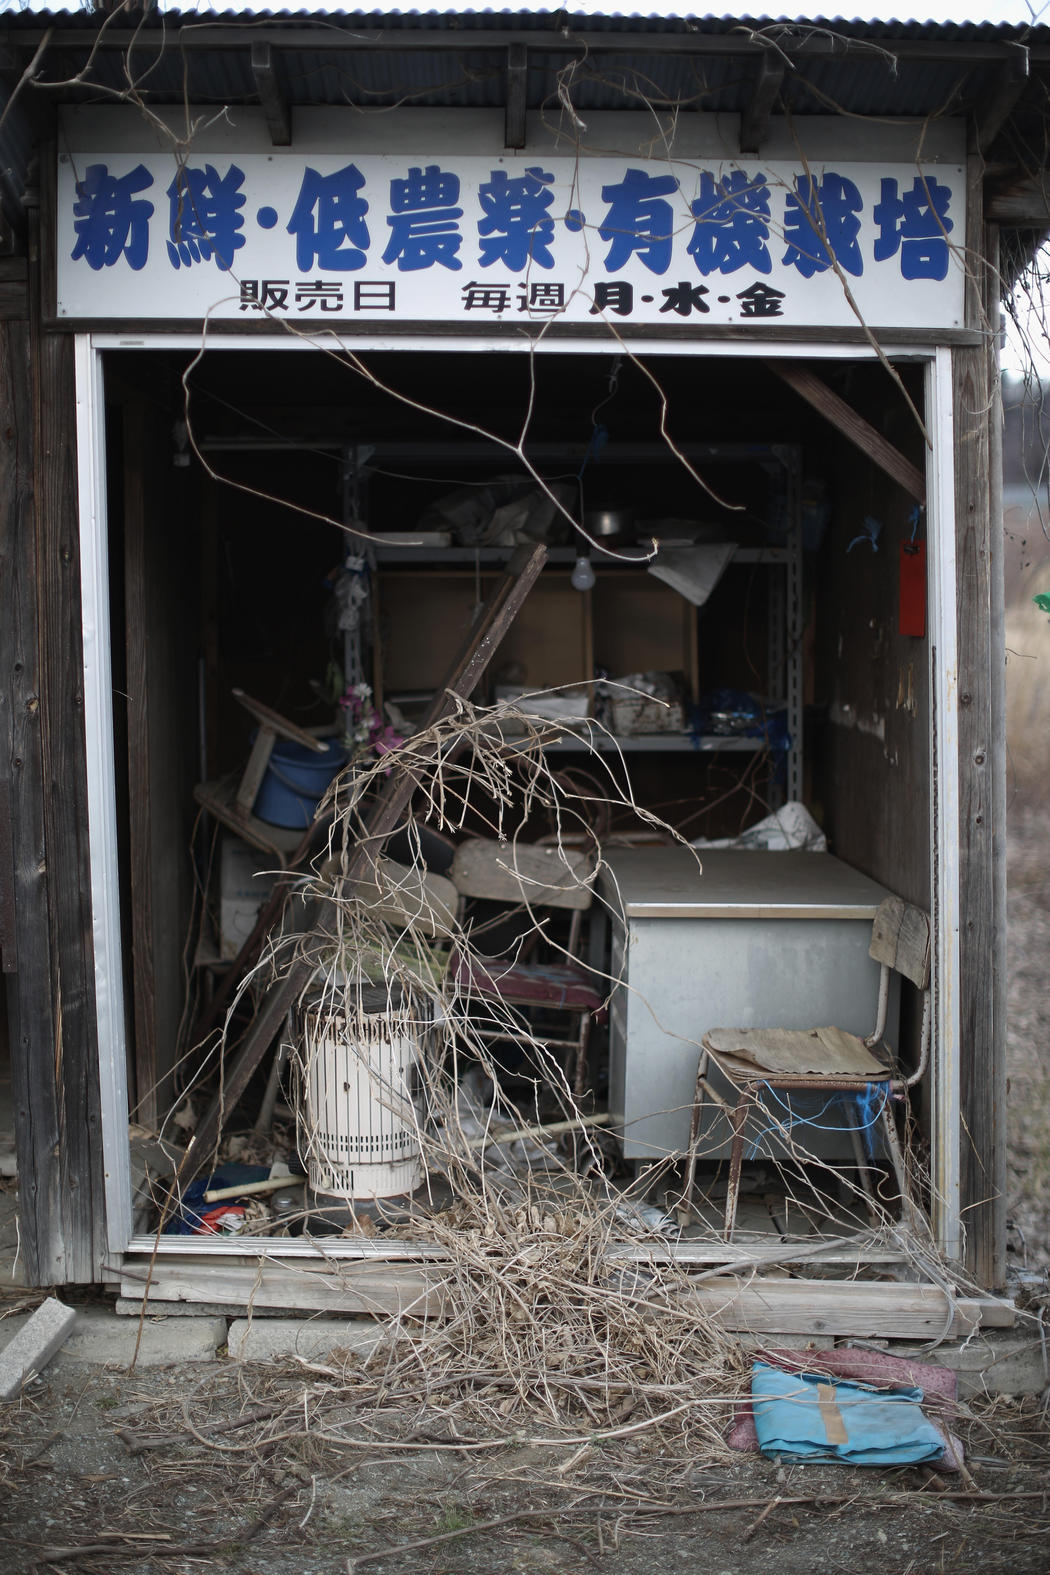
(743,627)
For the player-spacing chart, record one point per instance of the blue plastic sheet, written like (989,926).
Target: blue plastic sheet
(186,1219)
(804,1416)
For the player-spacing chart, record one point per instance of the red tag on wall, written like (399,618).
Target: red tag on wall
(913,588)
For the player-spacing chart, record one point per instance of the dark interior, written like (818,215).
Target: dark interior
(232,474)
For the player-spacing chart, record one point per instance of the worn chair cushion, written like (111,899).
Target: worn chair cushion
(527,984)
(786,1052)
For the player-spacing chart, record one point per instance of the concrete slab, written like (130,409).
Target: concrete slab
(994,1362)
(33,1344)
(100,1339)
(787,1342)
(265,1340)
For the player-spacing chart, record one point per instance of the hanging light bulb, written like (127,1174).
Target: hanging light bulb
(180,436)
(582,576)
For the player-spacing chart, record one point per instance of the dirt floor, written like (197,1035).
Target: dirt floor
(82,1494)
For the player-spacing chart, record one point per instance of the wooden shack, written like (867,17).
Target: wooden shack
(253,269)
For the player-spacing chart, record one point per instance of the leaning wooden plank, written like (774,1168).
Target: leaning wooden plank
(852,425)
(863,1309)
(380,1290)
(460,682)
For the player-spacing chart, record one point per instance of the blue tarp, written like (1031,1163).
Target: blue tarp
(808,1417)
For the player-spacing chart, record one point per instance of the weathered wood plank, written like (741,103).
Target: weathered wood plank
(8,926)
(378,1289)
(14,288)
(702,1254)
(900,938)
(871,1310)
(160,689)
(838,1307)
(76,1065)
(852,425)
(992,1268)
(550,877)
(981,764)
(33,1050)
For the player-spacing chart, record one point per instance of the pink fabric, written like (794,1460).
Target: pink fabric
(527,984)
(877,1368)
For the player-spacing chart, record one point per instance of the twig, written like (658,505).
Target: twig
(396,1549)
(42,1449)
(137,1444)
(898,1501)
(770,1507)
(493,1139)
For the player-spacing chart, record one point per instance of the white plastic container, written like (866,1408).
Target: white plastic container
(359,1121)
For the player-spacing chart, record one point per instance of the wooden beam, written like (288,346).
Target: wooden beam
(1023,204)
(517,84)
(460,681)
(852,425)
(29,991)
(54,1049)
(996,106)
(754,122)
(981,763)
(992,1269)
(379,1290)
(860,1308)
(271,94)
(14,288)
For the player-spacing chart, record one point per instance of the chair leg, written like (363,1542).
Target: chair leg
(909,1211)
(579,1081)
(848,1104)
(736,1160)
(685,1206)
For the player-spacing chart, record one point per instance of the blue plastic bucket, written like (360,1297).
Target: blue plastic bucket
(295,782)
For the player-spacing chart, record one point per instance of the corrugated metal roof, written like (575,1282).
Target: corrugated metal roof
(372,59)
(939,21)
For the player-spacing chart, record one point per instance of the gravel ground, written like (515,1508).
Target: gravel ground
(78,1497)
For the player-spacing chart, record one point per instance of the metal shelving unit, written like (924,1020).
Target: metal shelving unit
(783,561)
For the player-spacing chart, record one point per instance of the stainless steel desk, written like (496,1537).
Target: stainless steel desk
(756,939)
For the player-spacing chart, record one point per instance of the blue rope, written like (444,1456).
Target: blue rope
(871,1101)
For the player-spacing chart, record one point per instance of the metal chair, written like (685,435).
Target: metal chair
(819,1060)
(531,877)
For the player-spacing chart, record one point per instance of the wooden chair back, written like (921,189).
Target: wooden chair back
(401,894)
(524,873)
(900,939)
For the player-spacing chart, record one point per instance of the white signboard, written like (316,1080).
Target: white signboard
(336,240)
